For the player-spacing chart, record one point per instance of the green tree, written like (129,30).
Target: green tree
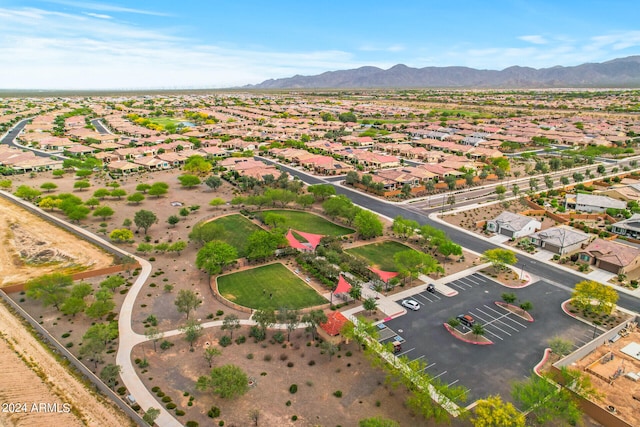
(144,248)
(214,256)
(218,201)
(211,352)
(49,203)
(186,301)
(48,186)
(588,291)
(112,282)
(264,318)
(192,330)
(109,374)
(151,415)
(230,323)
(305,200)
(370,304)
(322,191)
(72,306)
(367,224)
(412,263)
(329,348)
(560,346)
(494,412)
(313,319)
(177,246)
(448,248)
(347,117)
(104,212)
(27,193)
(50,289)
(81,290)
(144,219)
(92,202)
(564,180)
(118,193)
(100,308)
(136,198)
(404,228)
(77,213)
(289,317)
(81,185)
(197,165)
(499,258)
(143,188)
(213,182)
(158,189)
(6,184)
(173,220)
(121,235)
(189,181)
(227,381)
(548,402)
(500,190)
(101,193)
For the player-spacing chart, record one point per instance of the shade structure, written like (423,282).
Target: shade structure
(313,240)
(343,286)
(385,276)
(334,324)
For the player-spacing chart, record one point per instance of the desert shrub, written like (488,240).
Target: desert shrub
(293,388)
(311,362)
(337,393)
(171,405)
(166,399)
(241,339)
(179,412)
(267,358)
(69,345)
(278,337)
(288,403)
(250,356)
(191,424)
(257,333)
(66,335)
(219,313)
(283,357)
(348,354)
(160,393)
(122,390)
(221,423)
(294,418)
(165,345)
(225,341)
(214,412)
(155,389)
(290,365)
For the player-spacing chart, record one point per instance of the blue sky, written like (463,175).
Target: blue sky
(76,44)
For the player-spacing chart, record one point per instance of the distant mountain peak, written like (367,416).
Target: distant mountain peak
(619,72)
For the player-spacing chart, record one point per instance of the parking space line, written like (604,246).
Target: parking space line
(498,319)
(507,315)
(454,284)
(423,297)
(430,295)
(452,383)
(480,278)
(462,280)
(433,364)
(439,375)
(418,358)
(405,352)
(470,278)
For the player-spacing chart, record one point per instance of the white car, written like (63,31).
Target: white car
(410,304)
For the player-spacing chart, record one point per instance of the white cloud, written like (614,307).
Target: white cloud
(389,48)
(103,7)
(98,15)
(535,39)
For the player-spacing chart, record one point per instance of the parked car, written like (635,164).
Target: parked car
(410,304)
(466,320)
(431,288)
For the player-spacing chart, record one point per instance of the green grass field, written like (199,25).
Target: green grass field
(252,288)
(380,255)
(234,230)
(309,223)
(163,121)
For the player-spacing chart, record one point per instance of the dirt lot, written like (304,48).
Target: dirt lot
(32,247)
(317,378)
(30,374)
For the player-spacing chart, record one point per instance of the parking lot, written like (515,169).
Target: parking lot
(518,344)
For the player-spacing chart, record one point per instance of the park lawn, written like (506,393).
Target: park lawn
(380,255)
(235,230)
(163,121)
(308,223)
(271,286)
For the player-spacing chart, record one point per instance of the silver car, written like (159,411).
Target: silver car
(410,304)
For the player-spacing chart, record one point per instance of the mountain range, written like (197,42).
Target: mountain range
(621,72)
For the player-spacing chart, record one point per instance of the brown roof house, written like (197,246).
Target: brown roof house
(610,256)
(560,240)
(513,225)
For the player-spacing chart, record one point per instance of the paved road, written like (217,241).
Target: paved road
(101,128)
(551,273)
(10,140)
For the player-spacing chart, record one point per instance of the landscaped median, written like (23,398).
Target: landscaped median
(468,337)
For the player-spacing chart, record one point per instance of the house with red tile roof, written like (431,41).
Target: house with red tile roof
(610,256)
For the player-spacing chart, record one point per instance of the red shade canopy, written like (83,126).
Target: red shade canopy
(385,276)
(313,240)
(343,286)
